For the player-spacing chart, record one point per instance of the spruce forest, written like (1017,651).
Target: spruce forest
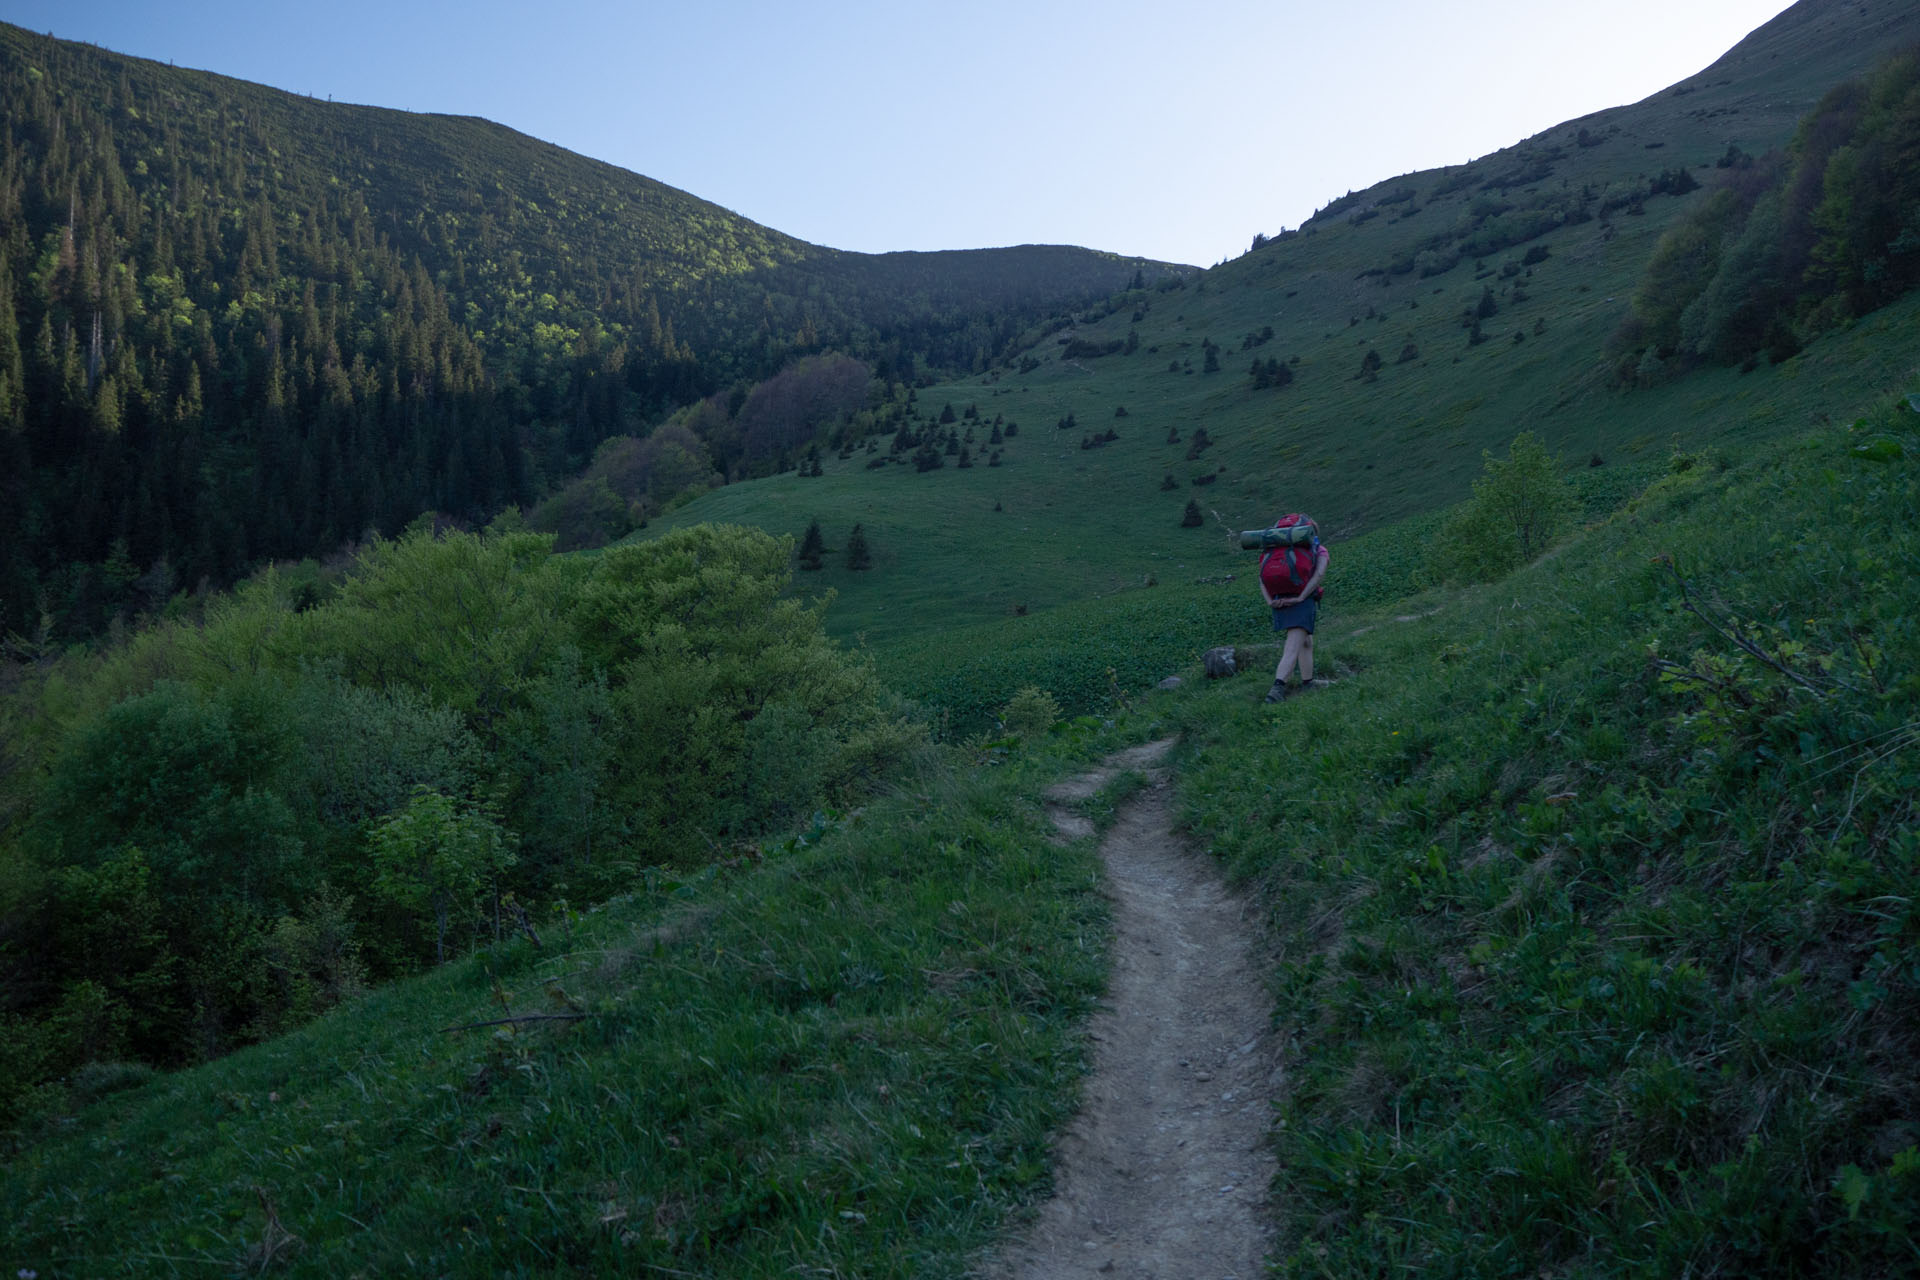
(547,728)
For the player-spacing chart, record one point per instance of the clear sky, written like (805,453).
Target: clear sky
(1171,131)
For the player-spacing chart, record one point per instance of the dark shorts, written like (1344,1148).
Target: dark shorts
(1300,615)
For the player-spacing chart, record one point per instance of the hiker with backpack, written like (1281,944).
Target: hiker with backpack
(1290,574)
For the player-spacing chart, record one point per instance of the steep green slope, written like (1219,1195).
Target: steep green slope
(1593,892)
(847,1057)
(238,324)
(1392,400)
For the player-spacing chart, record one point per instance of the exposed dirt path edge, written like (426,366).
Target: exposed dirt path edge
(1166,1170)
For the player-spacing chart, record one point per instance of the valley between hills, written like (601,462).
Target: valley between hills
(550,729)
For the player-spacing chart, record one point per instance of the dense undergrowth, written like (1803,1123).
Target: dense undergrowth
(216,830)
(1594,894)
(845,1059)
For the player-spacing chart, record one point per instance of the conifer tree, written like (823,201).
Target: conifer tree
(812,546)
(859,556)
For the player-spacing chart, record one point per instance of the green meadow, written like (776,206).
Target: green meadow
(1590,887)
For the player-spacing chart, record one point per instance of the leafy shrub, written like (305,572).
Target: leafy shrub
(1519,506)
(1088,349)
(434,856)
(236,823)
(1029,713)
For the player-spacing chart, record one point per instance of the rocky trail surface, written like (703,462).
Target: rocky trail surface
(1165,1173)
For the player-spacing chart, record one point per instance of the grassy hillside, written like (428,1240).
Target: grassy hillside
(1593,903)
(1594,892)
(1358,450)
(847,1055)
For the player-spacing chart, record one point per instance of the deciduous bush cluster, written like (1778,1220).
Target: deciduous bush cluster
(1791,244)
(216,830)
(1519,506)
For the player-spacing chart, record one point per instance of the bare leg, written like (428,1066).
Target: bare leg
(1290,654)
(1306,657)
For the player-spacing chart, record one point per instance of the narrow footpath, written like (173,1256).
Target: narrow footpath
(1165,1173)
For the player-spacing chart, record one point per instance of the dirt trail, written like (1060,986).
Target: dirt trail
(1165,1172)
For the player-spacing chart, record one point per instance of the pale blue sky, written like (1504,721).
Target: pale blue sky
(1176,132)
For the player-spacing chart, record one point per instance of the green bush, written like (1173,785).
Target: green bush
(1030,712)
(1520,505)
(233,825)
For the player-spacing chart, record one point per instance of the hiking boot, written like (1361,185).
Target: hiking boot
(1280,692)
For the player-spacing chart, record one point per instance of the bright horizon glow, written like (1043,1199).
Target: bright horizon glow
(1114,125)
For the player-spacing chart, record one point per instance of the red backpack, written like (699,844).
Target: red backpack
(1286,569)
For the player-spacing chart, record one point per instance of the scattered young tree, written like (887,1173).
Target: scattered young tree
(812,546)
(859,555)
(1192,518)
(1519,506)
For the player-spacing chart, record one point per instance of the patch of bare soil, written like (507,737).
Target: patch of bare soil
(1166,1170)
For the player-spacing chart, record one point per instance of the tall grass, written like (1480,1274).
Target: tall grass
(1595,894)
(844,1059)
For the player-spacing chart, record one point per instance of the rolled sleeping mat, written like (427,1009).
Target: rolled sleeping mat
(1299,535)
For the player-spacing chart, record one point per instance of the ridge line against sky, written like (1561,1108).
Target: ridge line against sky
(1120,126)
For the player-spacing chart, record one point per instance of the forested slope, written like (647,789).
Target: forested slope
(237,324)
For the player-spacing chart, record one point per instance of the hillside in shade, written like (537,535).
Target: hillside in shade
(238,324)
